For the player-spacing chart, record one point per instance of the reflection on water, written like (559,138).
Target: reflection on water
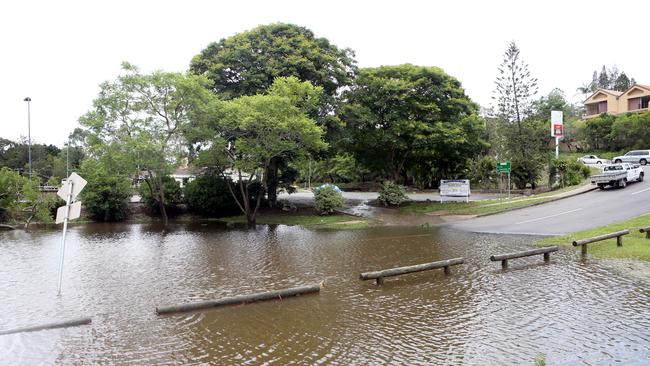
(570,310)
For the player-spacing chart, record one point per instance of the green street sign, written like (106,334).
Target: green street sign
(503,167)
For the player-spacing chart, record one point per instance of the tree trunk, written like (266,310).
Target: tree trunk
(271,176)
(161,202)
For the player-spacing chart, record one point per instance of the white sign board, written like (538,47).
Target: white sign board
(557,123)
(78,184)
(75,212)
(454,188)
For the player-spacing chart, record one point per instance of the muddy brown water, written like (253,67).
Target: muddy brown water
(572,311)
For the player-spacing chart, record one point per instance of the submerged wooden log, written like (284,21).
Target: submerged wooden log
(6,227)
(242,299)
(61,324)
(379,275)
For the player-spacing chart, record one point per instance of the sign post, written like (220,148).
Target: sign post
(69,192)
(557,129)
(505,167)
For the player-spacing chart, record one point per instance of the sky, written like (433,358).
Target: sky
(58,52)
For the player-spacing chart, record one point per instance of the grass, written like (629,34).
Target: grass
(310,221)
(635,245)
(481,207)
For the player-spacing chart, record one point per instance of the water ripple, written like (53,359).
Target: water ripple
(571,310)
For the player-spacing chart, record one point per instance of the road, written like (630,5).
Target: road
(581,212)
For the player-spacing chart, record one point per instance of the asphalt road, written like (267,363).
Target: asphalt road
(581,212)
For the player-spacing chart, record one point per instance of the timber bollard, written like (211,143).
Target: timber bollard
(61,324)
(645,230)
(617,234)
(242,299)
(379,275)
(527,253)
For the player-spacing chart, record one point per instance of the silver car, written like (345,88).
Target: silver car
(635,156)
(592,159)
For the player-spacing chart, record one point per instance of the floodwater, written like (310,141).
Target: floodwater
(572,311)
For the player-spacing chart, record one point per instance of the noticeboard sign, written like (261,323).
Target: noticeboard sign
(504,167)
(454,188)
(558,130)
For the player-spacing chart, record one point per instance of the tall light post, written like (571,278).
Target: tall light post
(67,158)
(29,136)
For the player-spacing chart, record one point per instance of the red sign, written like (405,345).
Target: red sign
(558,130)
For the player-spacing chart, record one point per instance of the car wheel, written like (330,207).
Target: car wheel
(618,161)
(643,162)
(623,183)
(599,162)
(601,186)
(640,178)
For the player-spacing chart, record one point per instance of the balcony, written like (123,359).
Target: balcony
(595,109)
(639,104)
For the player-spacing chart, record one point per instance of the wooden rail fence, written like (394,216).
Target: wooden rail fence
(379,275)
(645,230)
(546,251)
(617,234)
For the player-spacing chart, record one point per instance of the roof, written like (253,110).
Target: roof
(606,91)
(182,171)
(646,87)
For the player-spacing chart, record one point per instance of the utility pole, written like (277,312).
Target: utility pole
(29,135)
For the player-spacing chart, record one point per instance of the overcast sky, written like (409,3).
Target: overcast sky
(57,52)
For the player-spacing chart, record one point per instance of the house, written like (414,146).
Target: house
(183,175)
(634,99)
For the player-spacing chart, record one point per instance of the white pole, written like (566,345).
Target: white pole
(557,147)
(508,184)
(65,229)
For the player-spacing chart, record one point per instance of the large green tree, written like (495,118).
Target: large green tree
(244,135)
(608,78)
(515,87)
(249,62)
(136,124)
(413,123)
(14,155)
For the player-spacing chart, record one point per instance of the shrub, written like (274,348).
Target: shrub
(327,199)
(570,172)
(20,200)
(173,195)
(392,194)
(482,172)
(209,195)
(106,197)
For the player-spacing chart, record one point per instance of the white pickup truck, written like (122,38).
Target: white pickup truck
(618,175)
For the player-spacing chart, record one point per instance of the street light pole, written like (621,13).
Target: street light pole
(67,159)
(29,136)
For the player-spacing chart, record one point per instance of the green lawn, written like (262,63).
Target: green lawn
(635,245)
(481,207)
(311,221)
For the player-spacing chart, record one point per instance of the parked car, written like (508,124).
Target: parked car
(618,175)
(635,156)
(592,159)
